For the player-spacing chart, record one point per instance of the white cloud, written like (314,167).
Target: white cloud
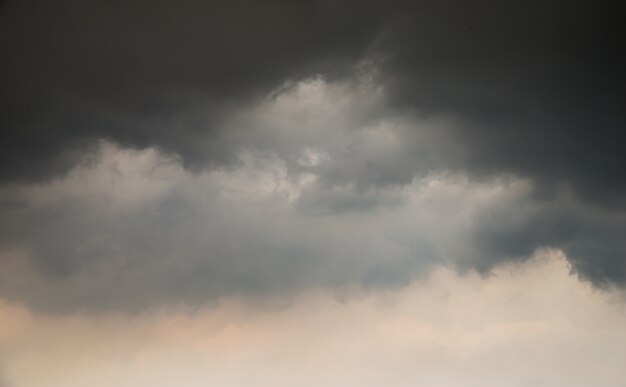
(531,324)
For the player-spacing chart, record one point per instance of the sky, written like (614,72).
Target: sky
(312,193)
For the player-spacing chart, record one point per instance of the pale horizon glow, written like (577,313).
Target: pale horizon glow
(529,324)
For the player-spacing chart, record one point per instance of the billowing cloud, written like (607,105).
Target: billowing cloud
(155,153)
(311,193)
(332,189)
(136,229)
(528,84)
(147,73)
(537,87)
(527,324)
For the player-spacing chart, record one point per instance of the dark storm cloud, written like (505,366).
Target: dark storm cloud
(528,90)
(592,237)
(537,85)
(136,71)
(539,92)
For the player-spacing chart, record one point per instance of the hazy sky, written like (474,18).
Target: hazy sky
(311,193)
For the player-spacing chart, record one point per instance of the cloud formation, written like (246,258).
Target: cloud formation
(159,154)
(147,73)
(527,83)
(527,324)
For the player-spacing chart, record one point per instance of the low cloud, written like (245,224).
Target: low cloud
(320,196)
(526,324)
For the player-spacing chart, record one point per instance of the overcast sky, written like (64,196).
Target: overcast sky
(316,193)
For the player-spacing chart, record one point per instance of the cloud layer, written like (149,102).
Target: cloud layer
(525,325)
(331,189)
(536,89)
(153,153)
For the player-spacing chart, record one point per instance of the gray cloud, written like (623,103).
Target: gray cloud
(277,144)
(590,236)
(527,82)
(135,229)
(138,71)
(537,88)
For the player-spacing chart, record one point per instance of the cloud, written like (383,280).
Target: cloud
(527,324)
(205,149)
(146,73)
(134,229)
(535,89)
(332,190)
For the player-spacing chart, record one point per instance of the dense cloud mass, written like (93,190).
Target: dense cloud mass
(538,88)
(157,152)
(560,332)
(148,73)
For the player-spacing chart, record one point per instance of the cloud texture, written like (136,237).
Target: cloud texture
(156,153)
(526,325)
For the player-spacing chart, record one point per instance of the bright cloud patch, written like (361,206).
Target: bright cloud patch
(138,220)
(526,324)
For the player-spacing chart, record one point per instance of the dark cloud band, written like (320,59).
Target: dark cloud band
(528,91)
